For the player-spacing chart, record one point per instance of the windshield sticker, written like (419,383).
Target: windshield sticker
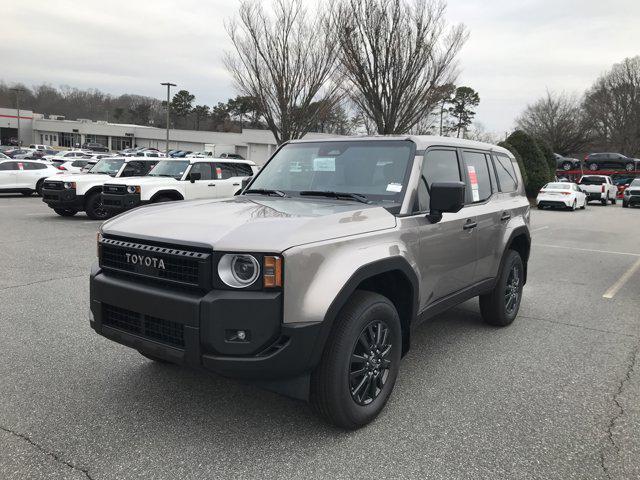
(324,164)
(218,173)
(473,178)
(394,187)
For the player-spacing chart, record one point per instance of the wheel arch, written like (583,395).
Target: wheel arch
(173,194)
(520,241)
(391,277)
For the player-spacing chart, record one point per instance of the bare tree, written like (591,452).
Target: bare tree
(285,60)
(613,106)
(559,121)
(395,55)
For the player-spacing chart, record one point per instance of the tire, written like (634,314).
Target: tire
(153,357)
(94,209)
(339,393)
(629,167)
(605,201)
(625,204)
(614,200)
(574,206)
(493,305)
(540,207)
(28,193)
(566,166)
(39,187)
(65,212)
(162,199)
(593,167)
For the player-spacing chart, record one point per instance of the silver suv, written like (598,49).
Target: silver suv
(311,281)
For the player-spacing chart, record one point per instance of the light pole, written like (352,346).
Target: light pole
(168,85)
(18,92)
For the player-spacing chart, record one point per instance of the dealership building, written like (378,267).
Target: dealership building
(55,130)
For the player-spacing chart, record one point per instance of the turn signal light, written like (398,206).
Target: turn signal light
(272,272)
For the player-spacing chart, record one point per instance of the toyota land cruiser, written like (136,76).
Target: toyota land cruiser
(73,193)
(311,280)
(179,180)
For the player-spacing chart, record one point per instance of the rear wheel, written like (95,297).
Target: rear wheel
(65,212)
(629,167)
(27,193)
(360,363)
(566,166)
(501,305)
(94,207)
(593,166)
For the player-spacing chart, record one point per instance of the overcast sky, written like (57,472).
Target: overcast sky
(517,49)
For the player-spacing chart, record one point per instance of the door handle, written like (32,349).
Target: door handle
(236,184)
(469,225)
(211,185)
(505,216)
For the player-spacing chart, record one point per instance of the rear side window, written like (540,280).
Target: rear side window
(34,166)
(506,173)
(243,170)
(224,171)
(478,172)
(79,163)
(438,166)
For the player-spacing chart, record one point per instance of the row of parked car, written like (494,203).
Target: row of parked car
(598,161)
(115,184)
(601,188)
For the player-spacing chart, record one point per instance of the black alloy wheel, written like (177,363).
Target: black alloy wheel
(370,363)
(512,290)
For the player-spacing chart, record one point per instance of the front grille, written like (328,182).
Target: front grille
(634,192)
(153,328)
(184,267)
(115,189)
(52,185)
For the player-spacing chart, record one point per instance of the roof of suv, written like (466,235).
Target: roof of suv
(211,159)
(421,141)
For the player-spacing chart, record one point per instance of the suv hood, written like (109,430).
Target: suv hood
(250,223)
(142,181)
(81,177)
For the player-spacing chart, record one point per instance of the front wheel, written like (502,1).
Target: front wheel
(593,167)
(360,363)
(625,204)
(500,306)
(629,167)
(566,166)
(94,208)
(65,212)
(605,201)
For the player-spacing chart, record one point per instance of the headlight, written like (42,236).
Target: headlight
(69,185)
(238,270)
(627,192)
(133,189)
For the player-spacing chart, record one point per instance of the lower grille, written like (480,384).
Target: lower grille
(153,328)
(52,185)
(112,202)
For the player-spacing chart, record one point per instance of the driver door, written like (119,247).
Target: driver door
(203,188)
(447,249)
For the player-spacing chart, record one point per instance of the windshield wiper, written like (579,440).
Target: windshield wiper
(351,196)
(266,191)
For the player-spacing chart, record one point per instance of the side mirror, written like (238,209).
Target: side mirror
(445,197)
(193,176)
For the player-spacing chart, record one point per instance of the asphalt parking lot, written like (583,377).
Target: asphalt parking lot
(555,395)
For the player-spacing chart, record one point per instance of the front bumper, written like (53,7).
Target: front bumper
(199,329)
(121,202)
(66,198)
(632,200)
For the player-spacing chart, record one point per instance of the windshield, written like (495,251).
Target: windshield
(374,169)
(592,180)
(107,166)
(635,183)
(169,168)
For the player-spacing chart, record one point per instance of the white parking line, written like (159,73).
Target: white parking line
(588,250)
(622,280)
(539,228)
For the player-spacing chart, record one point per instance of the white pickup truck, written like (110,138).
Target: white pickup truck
(598,187)
(187,179)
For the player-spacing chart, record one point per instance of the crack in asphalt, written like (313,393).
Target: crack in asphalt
(581,327)
(43,281)
(633,357)
(53,455)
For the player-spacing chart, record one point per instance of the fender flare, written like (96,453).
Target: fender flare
(364,272)
(170,192)
(521,230)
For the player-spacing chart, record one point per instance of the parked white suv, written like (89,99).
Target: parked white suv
(72,193)
(24,176)
(599,187)
(179,180)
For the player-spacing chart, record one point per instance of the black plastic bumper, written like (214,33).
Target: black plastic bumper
(66,198)
(121,202)
(209,323)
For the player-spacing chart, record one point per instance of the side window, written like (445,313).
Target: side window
(437,166)
(224,171)
(204,169)
(478,172)
(243,170)
(506,173)
(132,169)
(9,166)
(34,166)
(145,167)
